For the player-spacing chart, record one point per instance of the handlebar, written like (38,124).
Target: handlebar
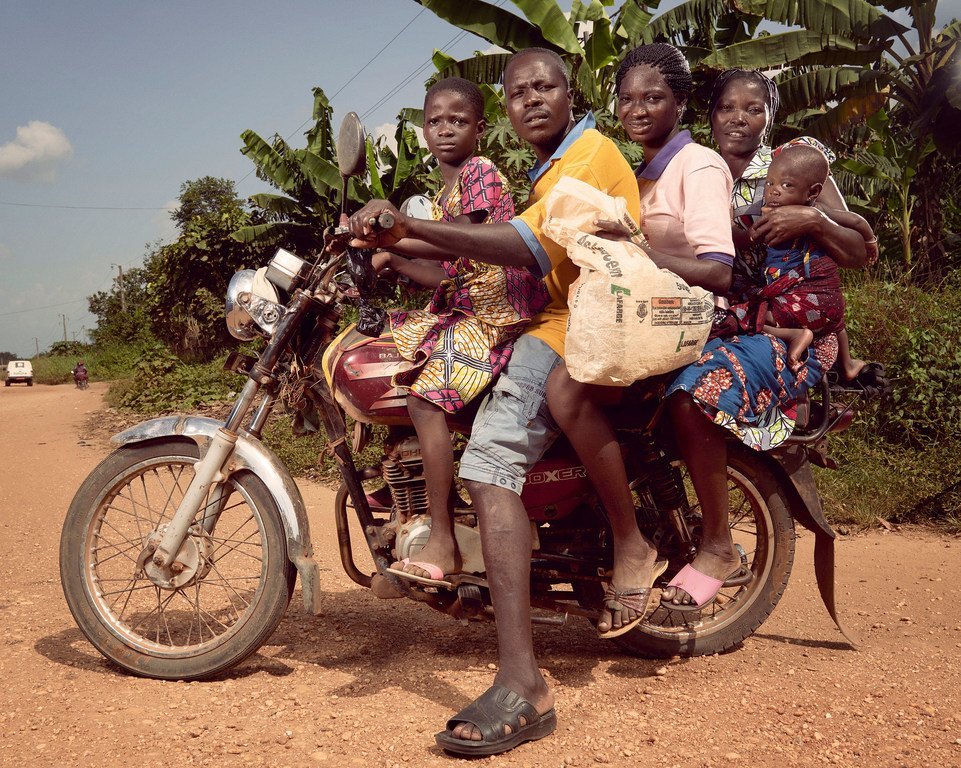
(381,223)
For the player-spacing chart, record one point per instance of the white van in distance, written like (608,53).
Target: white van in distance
(19,371)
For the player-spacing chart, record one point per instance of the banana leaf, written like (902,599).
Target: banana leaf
(322,175)
(412,116)
(548,17)
(832,124)
(599,49)
(376,188)
(822,85)
(789,49)
(269,162)
(410,155)
(689,15)
(486,68)
(851,18)
(441,60)
(320,138)
(493,24)
(592,12)
(280,205)
(633,19)
(257,233)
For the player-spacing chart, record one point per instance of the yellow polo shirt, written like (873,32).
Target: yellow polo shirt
(593,158)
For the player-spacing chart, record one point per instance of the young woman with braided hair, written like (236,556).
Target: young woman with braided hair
(685,192)
(744,384)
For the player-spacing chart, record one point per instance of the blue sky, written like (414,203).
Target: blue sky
(114,104)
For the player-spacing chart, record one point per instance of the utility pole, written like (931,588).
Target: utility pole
(36,343)
(64,317)
(123,298)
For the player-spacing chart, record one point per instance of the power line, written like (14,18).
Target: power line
(82,207)
(352,78)
(34,309)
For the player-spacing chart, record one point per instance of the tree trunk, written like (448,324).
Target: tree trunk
(928,220)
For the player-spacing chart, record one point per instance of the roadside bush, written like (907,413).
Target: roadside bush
(109,362)
(162,383)
(901,461)
(915,333)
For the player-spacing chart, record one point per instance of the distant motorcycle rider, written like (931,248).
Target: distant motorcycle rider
(80,374)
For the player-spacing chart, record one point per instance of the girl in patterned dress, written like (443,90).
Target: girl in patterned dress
(464,338)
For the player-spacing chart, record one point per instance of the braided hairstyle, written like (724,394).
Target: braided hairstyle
(667,60)
(471,93)
(768,86)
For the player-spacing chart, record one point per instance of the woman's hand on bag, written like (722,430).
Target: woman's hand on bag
(785,223)
(612,230)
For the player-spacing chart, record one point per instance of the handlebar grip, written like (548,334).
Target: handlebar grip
(382,222)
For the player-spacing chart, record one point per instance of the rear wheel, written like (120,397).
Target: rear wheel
(231,593)
(763,529)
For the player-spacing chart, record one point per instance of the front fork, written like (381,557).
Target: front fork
(208,479)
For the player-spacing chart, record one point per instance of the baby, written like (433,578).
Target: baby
(803,290)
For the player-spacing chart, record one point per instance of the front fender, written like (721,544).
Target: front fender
(252,455)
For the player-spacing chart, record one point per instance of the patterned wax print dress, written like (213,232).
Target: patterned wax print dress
(803,287)
(465,336)
(742,381)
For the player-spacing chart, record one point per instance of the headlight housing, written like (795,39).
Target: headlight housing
(252,305)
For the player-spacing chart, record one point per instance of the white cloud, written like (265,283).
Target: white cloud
(36,153)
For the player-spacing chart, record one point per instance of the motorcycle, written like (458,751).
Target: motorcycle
(80,379)
(180,552)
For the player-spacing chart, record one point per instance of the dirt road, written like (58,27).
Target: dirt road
(369,682)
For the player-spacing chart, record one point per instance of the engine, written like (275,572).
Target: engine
(403,471)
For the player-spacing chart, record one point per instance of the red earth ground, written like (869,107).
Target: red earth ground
(370,681)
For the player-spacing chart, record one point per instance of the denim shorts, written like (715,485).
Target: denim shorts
(513,427)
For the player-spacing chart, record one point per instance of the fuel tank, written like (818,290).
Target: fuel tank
(359,369)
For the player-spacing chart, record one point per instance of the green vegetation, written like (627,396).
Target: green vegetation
(901,460)
(850,73)
(104,362)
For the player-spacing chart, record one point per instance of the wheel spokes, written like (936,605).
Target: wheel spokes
(222,582)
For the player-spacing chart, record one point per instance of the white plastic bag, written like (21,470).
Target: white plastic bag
(629,319)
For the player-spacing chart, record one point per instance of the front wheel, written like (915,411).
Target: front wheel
(236,580)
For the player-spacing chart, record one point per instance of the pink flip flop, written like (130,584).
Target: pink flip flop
(703,588)
(436,574)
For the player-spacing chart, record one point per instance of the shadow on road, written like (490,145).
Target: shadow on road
(380,644)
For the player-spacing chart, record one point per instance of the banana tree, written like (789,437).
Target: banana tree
(309,183)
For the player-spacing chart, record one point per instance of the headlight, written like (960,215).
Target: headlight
(252,305)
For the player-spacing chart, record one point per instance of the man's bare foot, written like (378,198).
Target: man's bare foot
(442,554)
(717,565)
(540,696)
(633,564)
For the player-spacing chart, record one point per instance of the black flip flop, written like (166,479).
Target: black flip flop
(490,712)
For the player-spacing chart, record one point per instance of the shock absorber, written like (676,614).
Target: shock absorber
(666,488)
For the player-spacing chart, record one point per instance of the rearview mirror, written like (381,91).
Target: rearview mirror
(351,147)
(418,207)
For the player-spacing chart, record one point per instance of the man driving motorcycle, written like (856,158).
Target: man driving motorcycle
(513,429)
